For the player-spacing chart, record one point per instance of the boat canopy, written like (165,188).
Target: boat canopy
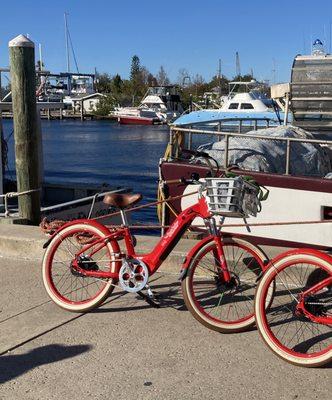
(150,99)
(215,116)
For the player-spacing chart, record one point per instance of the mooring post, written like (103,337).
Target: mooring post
(1,169)
(82,110)
(23,84)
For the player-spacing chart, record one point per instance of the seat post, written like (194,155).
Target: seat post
(124,218)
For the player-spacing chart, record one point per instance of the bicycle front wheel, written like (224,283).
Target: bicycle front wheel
(291,334)
(67,287)
(219,306)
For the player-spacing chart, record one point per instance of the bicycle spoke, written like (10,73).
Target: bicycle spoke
(69,285)
(289,327)
(225,301)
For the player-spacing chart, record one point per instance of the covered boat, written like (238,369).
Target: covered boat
(297,198)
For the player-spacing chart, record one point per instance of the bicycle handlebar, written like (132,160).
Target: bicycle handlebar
(194,180)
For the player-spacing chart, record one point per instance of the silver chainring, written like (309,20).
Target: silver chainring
(133,275)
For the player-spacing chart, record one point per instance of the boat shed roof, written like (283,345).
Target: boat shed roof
(84,96)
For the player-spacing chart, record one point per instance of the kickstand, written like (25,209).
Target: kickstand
(149,298)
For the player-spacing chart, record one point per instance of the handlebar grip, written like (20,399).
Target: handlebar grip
(182,181)
(173,181)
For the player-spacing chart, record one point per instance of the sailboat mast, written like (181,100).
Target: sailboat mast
(219,78)
(67,43)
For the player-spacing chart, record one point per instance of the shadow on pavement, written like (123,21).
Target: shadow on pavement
(12,366)
(167,296)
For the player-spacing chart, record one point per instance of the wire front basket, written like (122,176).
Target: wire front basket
(232,197)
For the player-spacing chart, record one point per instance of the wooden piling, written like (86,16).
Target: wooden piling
(1,170)
(82,110)
(23,82)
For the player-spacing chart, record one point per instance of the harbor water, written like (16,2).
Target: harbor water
(100,152)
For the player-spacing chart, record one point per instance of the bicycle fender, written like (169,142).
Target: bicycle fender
(90,222)
(301,252)
(191,254)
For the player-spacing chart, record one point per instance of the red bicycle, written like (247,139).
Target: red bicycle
(83,261)
(297,324)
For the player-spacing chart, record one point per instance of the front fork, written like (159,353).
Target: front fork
(218,252)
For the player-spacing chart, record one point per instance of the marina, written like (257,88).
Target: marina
(146,171)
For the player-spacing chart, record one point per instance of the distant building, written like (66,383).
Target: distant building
(89,102)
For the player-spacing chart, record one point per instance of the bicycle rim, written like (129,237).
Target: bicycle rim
(68,288)
(290,334)
(218,307)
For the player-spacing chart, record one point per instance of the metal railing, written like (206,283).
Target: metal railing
(68,204)
(10,195)
(228,135)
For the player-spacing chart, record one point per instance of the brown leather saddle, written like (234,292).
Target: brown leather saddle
(122,201)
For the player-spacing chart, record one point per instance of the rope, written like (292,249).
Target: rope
(16,194)
(153,203)
(49,227)
(230,225)
(163,200)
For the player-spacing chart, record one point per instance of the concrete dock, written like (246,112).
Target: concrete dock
(126,349)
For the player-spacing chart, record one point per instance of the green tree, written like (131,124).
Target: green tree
(216,82)
(183,78)
(116,84)
(162,77)
(135,68)
(151,80)
(136,81)
(105,105)
(103,83)
(243,78)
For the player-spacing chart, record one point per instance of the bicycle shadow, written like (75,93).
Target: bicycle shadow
(169,295)
(12,366)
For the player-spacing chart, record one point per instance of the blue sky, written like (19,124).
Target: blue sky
(176,34)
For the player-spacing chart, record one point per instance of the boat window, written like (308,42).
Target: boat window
(233,106)
(246,106)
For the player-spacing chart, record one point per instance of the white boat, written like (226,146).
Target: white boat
(246,102)
(247,105)
(161,103)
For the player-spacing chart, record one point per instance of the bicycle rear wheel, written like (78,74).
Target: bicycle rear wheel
(66,286)
(291,334)
(217,306)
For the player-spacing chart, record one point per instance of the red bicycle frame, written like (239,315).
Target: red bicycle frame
(154,259)
(311,291)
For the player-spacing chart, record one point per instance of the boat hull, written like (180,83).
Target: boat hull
(136,120)
(292,199)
